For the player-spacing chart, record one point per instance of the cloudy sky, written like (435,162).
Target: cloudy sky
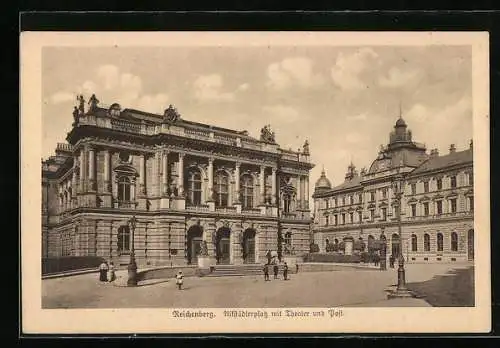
(344,100)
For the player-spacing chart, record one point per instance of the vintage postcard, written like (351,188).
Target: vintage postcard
(255,182)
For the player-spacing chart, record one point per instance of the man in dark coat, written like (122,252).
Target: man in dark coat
(266,272)
(276,270)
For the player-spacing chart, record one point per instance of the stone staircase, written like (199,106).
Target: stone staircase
(241,270)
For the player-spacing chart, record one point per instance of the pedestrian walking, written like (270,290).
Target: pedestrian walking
(285,271)
(266,272)
(103,271)
(275,270)
(111,272)
(296,268)
(179,279)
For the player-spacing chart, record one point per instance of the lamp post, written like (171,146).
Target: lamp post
(132,266)
(401,290)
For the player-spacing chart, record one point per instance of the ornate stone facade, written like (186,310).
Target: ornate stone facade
(190,186)
(437,203)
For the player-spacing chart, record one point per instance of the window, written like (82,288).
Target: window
(326,204)
(372,196)
(439,184)
(426,208)
(453,181)
(453,205)
(221,189)
(360,217)
(336,219)
(384,193)
(372,214)
(384,214)
(471,179)
(426,186)
(194,187)
(454,241)
(427,242)
(439,207)
(360,198)
(439,242)
(286,202)
(123,240)
(351,218)
(413,189)
(124,189)
(247,194)
(414,245)
(413,210)
(351,199)
(471,203)
(343,200)
(288,238)
(327,220)
(343,219)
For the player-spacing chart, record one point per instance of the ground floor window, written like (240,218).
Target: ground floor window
(123,240)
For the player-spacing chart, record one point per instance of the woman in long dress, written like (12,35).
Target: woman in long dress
(111,272)
(103,270)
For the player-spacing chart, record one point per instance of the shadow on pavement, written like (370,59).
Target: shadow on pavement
(454,289)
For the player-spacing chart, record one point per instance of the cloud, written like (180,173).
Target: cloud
(243,87)
(62,97)
(358,117)
(283,113)
(348,68)
(296,71)
(397,78)
(353,137)
(209,88)
(113,86)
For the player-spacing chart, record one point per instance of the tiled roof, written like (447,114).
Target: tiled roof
(435,163)
(355,181)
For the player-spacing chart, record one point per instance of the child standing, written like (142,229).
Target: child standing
(179,279)
(111,272)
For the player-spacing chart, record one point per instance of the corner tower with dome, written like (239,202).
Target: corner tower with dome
(437,202)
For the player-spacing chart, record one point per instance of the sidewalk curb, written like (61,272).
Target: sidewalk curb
(70,273)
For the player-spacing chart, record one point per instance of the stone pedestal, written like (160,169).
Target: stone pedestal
(211,205)
(205,262)
(238,207)
(106,201)
(164,203)
(141,203)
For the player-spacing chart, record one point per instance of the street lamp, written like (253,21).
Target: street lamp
(132,266)
(398,187)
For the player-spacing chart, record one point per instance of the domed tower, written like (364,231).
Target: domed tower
(322,184)
(400,133)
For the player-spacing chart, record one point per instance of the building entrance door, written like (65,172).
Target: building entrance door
(223,245)
(470,245)
(249,246)
(195,249)
(194,238)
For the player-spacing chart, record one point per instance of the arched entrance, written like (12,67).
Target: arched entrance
(223,245)
(470,245)
(194,239)
(249,246)
(395,245)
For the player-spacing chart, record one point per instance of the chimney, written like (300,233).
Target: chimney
(453,149)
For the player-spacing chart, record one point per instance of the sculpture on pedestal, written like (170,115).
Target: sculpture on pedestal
(171,115)
(81,105)
(93,101)
(305,148)
(267,135)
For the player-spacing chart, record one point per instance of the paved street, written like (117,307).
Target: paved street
(349,287)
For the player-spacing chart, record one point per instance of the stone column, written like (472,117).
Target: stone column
(164,173)
(142,171)
(299,193)
(180,183)
(107,182)
(273,186)
(91,168)
(306,182)
(237,182)
(210,174)
(82,171)
(73,186)
(262,185)
(302,193)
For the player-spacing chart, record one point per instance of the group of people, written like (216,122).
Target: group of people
(275,266)
(107,272)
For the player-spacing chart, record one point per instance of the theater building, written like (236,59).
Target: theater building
(437,204)
(189,185)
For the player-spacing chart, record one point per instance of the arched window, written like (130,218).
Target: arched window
(414,245)
(439,242)
(454,241)
(194,187)
(124,189)
(247,191)
(123,240)
(221,189)
(427,242)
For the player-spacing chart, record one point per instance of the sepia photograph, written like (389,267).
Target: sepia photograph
(255,182)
